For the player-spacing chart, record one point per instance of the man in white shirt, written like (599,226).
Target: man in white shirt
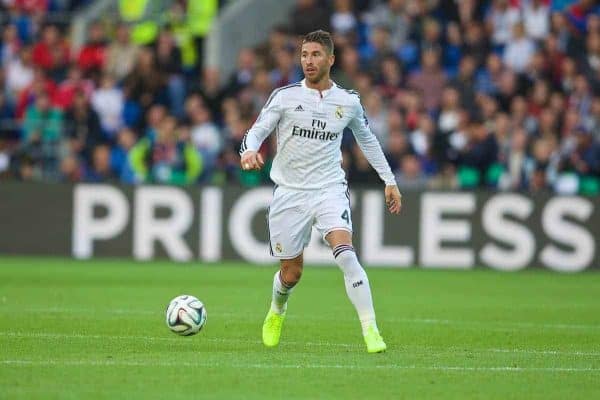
(309,118)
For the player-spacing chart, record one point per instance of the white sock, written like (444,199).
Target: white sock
(281,292)
(357,284)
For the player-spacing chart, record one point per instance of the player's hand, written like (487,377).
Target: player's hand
(393,199)
(251,160)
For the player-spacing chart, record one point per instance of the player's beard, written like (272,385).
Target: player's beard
(321,74)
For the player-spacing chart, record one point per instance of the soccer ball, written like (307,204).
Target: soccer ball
(186,315)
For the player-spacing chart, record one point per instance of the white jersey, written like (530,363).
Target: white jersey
(309,125)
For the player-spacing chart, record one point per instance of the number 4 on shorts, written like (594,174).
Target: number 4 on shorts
(346,216)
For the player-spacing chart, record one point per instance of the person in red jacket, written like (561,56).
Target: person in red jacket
(65,92)
(52,52)
(92,55)
(32,6)
(41,84)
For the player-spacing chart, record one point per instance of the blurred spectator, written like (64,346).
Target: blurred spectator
(8,130)
(40,84)
(308,16)
(119,156)
(260,90)
(488,78)
(581,96)
(169,63)
(475,43)
(278,40)
(71,170)
(592,122)
(541,171)
(465,82)
(360,170)
(479,155)
(52,52)
(285,71)
(449,111)
(377,112)
(92,56)
(19,72)
(500,21)
(585,157)
(390,78)
(398,146)
(145,84)
(166,158)
(519,50)
(578,14)
(393,15)
(430,38)
(590,60)
(42,121)
(547,125)
(108,102)
(210,90)
(343,19)
(410,175)
(100,169)
(32,6)
(421,139)
(10,45)
(377,49)
(205,135)
(82,126)
(200,17)
(429,80)
(65,92)
(242,76)
(349,68)
(42,135)
(554,58)
(453,49)
(462,12)
(121,54)
(536,18)
(516,161)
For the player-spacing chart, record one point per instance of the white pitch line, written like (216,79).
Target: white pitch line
(184,341)
(174,339)
(429,321)
(547,352)
(109,363)
(507,324)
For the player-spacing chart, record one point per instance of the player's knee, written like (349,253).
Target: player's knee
(291,272)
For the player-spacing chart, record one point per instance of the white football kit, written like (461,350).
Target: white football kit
(311,187)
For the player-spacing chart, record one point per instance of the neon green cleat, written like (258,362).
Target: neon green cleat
(374,341)
(272,328)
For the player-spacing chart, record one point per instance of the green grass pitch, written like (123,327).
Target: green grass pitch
(96,330)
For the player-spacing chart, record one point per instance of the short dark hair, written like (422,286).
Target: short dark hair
(322,37)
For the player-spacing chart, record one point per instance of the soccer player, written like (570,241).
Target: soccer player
(311,190)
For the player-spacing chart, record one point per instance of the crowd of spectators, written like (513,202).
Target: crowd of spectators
(502,94)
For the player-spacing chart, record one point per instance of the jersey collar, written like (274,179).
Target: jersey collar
(315,92)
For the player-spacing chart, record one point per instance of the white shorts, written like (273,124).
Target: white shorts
(294,212)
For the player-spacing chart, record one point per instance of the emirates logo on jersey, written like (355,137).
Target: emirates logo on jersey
(317,131)
(313,133)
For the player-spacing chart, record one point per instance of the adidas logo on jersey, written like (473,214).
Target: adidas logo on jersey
(299,108)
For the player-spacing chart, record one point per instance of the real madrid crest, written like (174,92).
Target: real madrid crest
(339,112)
(278,248)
